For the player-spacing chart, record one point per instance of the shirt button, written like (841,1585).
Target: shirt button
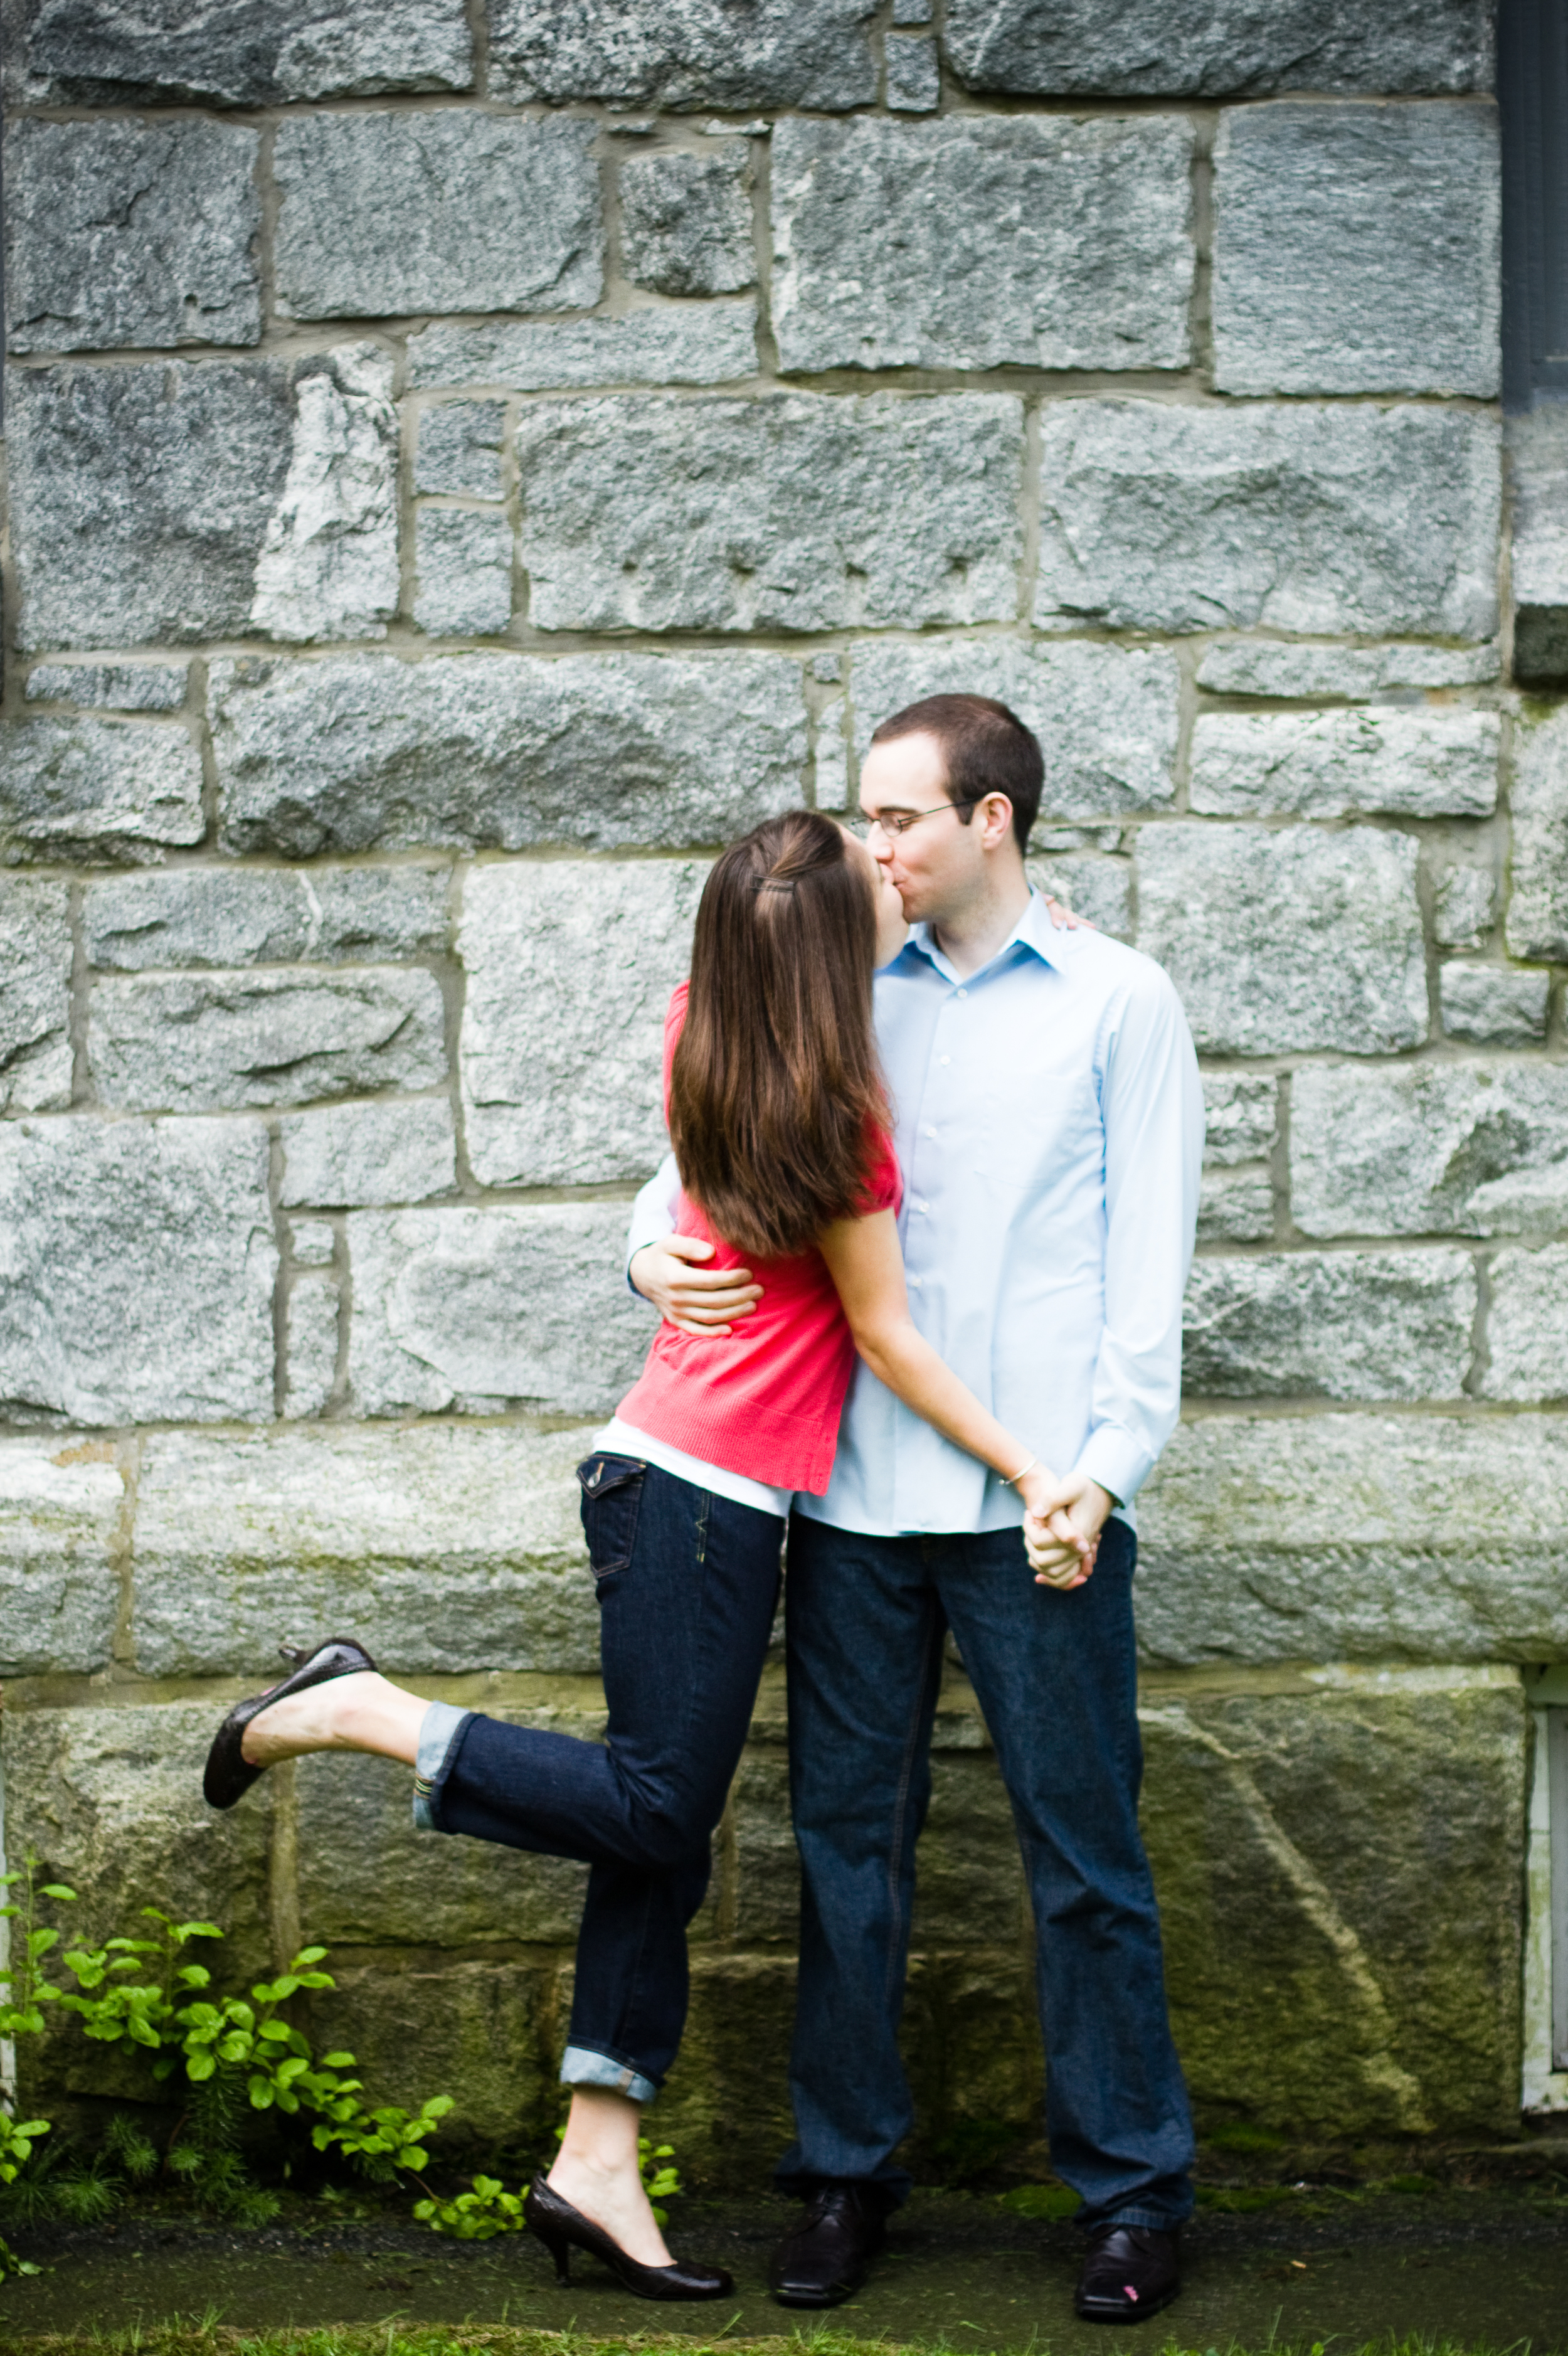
(919,1207)
(928,1132)
(914,1280)
(944,1059)
(962,993)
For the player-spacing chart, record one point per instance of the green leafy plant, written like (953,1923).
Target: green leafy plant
(486,2210)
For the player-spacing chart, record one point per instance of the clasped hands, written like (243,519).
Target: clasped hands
(1063,1521)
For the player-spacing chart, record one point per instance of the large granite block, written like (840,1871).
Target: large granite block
(182,502)
(1219,48)
(486,2033)
(131,233)
(347,1156)
(1295,517)
(1297,1840)
(447,1549)
(505,750)
(1032,242)
(705,343)
(1106,716)
(208,1042)
(104,52)
(1288,938)
(686,222)
(1344,1325)
(139,1262)
(684,54)
(1463,1149)
(1492,1005)
(1526,1325)
(796,513)
(1329,763)
(1356,250)
(1538,904)
(34,996)
(97,791)
(62,1508)
(1094,887)
(462,564)
(255,915)
(569,967)
(481,1309)
(1357,1536)
(1537,464)
(444,210)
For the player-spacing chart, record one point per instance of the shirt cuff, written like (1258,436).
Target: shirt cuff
(1116,1461)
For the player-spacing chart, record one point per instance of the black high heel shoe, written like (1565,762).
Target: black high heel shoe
(229,1773)
(561,2228)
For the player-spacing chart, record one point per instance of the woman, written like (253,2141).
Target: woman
(781,1133)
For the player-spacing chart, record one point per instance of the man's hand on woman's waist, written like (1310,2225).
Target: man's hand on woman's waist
(696,1300)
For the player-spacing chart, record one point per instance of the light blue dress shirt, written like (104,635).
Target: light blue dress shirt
(1050,1127)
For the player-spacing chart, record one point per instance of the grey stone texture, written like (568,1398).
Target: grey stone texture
(110,687)
(312,1243)
(1219,48)
(1356,250)
(1297,517)
(707,343)
(977,243)
(1526,1325)
(359,1154)
(387,213)
(1331,763)
(460,448)
(687,53)
(369,753)
(463,560)
(686,222)
(237,1538)
(1106,716)
(912,73)
(1341,1325)
(312,1346)
(139,1263)
(1235,1206)
(103,52)
(1356,1536)
(569,967)
(1538,463)
(1463,905)
(203,1041)
(483,1309)
(794,513)
(1538,903)
(1241,1116)
(328,564)
(1097,889)
(1288,938)
(61,1506)
(34,996)
(249,916)
(180,502)
(1261,667)
(1492,1004)
(1476,1148)
(100,792)
(134,233)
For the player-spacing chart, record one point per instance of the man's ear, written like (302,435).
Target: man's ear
(994,816)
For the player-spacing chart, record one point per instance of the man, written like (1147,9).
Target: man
(1049,1128)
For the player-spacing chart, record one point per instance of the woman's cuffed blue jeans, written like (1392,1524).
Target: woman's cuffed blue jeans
(1055,1676)
(687,1586)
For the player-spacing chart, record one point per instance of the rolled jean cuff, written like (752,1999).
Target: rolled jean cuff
(441,1729)
(581,2066)
(1153,2221)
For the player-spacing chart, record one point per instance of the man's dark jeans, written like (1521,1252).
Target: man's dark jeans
(687,1586)
(1055,1676)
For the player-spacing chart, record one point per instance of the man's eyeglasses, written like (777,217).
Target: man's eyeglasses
(897,822)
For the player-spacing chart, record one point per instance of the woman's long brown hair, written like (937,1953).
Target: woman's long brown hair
(775,1087)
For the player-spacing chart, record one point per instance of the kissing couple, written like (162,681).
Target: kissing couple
(920,1248)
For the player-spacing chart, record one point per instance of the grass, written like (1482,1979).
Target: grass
(207,2336)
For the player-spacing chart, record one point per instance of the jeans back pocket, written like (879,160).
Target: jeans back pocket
(612,1499)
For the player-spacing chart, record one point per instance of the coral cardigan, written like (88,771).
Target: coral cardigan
(765,1400)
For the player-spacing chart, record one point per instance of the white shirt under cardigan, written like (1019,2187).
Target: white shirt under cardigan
(1050,1127)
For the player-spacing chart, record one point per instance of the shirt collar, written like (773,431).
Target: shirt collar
(1034,930)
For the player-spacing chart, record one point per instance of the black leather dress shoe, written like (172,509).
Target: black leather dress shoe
(1131,2271)
(229,1773)
(827,2255)
(562,2229)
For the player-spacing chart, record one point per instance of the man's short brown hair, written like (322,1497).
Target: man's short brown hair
(986,749)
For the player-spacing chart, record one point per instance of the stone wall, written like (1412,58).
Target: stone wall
(465,467)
